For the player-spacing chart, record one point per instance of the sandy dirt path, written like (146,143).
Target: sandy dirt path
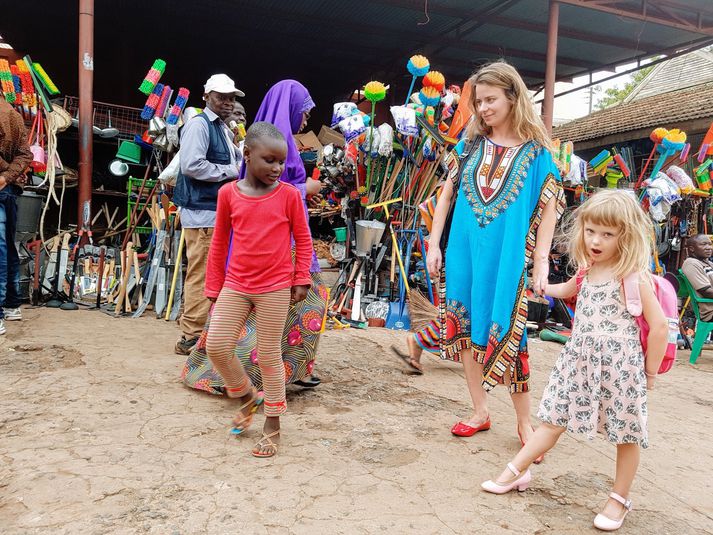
(98,436)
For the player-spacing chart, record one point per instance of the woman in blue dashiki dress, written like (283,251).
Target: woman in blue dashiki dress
(509,198)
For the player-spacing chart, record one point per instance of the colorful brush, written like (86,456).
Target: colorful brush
(656,136)
(29,97)
(430,96)
(163,101)
(435,80)
(622,165)
(152,77)
(702,153)
(683,157)
(673,141)
(6,83)
(152,103)
(374,92)
(44,78)
(178,106)
(418,66)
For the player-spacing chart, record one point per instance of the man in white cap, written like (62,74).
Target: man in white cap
(208,160)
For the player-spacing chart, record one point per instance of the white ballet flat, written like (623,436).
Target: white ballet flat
(521,482)
(607,524)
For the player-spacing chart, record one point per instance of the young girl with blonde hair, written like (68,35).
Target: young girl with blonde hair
(599,381)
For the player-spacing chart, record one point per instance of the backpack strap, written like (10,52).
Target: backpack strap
(632,294)
(580,278)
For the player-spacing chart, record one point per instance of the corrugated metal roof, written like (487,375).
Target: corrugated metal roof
(339,44)
(678,73)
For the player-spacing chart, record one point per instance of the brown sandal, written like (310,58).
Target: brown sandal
(266,441)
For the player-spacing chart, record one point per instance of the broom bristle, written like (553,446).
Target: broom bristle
(421,310)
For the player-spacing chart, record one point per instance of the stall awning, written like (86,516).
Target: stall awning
(335,46)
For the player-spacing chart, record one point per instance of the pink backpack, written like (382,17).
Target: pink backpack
(666,296)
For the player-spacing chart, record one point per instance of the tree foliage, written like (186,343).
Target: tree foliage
(617,94)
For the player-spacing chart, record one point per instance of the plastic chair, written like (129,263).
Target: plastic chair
(703,328)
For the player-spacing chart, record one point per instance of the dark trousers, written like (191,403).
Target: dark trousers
(9,259)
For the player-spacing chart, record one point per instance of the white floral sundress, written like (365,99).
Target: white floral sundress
(598,382)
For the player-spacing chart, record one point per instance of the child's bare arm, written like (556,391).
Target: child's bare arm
(658,329)
(564,290)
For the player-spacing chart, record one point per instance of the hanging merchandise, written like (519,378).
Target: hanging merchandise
(152,102)
(386,145)
(152,77)
(682,180)
(673,142)
(178,106)
(163,101)
(418,66)
(6,84)
(374,92)
(44,78)
(343,110)
(29,97)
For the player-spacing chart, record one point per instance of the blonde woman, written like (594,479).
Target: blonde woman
(509,197)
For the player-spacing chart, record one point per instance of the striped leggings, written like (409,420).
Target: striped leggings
(227,322)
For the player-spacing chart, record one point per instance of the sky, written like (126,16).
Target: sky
(574,105)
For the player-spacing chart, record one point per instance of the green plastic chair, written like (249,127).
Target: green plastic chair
(703,328)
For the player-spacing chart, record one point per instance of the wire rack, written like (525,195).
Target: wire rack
(125,119)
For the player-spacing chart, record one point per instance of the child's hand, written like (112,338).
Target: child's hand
(299,293)
(650,381)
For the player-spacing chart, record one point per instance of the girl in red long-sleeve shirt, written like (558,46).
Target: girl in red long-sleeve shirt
(250,265)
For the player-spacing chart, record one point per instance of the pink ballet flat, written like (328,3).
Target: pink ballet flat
(521,482)
(607,524)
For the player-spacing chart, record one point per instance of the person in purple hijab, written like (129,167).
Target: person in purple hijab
(286,105)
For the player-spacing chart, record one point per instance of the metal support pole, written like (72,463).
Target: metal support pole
(86,107)
(551,66)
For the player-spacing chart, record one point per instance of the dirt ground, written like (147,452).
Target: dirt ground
(98,435)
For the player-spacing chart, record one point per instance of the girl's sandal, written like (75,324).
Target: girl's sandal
(266,442)
(241,425)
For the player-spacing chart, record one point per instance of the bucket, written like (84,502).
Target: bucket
(129,151)
(340,234)
(368,233)
(29,207)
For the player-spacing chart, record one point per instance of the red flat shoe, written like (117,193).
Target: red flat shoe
(540,458)
(465,430)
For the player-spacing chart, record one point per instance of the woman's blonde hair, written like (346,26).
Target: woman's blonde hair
(618,209)
(526,123)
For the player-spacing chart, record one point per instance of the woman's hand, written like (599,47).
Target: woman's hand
(299,293)
(315,201)
(313,186)
(434,260)
(540,275)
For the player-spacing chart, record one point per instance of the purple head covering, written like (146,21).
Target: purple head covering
(283,106)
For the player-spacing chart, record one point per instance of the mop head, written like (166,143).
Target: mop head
(45,79)
(421,310)
(658,134)
(418,65)
(374,91)
(178,106)
(435,80)
(152,103)
(6,83)
(429,96)
(152,77)
(163,102)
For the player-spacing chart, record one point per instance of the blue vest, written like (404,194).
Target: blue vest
(199,194)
